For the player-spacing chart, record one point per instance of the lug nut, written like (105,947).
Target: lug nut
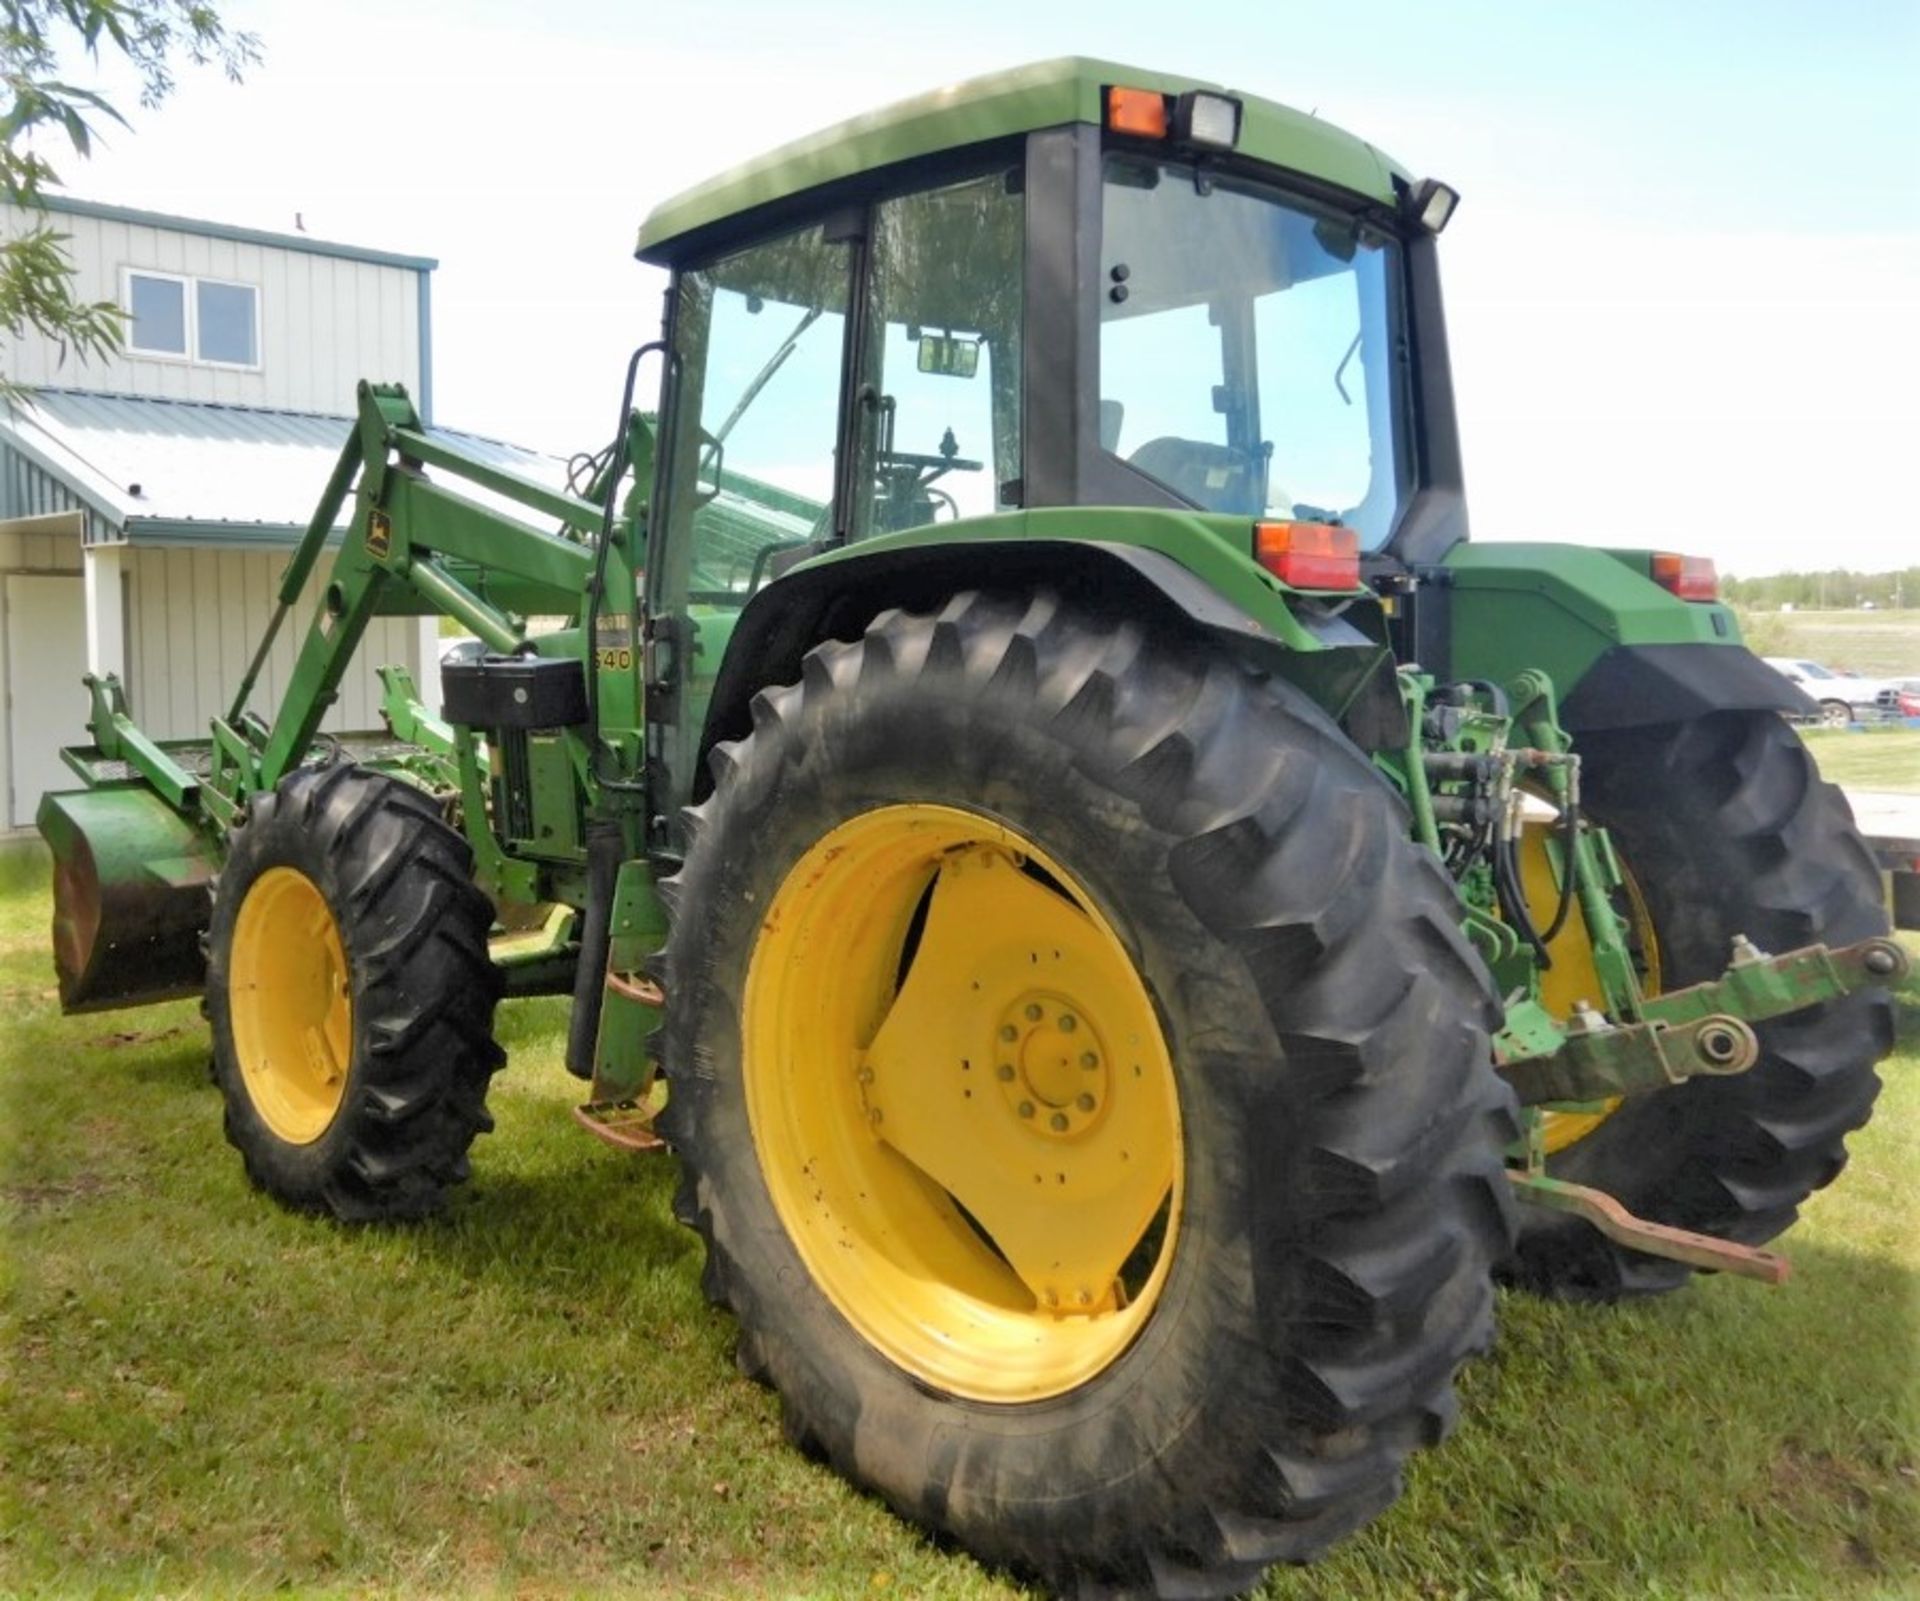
(1026,1108)
(1058,1122)
(1004,1072)
(1068,1022)
(1033,1012)
(1084,1102)
(1009,1032)
(1089,1061)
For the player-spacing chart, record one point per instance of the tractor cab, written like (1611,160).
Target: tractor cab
(1073,286)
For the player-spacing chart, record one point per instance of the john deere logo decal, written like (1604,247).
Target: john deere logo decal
(379,535)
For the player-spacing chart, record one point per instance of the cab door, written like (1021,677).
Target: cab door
(758,338)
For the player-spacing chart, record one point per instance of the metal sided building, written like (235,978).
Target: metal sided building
(147,499)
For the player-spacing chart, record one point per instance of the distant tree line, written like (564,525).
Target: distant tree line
(1837,589)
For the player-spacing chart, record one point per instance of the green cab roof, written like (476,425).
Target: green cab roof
(1044,94)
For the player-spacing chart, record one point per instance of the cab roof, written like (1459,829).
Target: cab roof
(1043,94)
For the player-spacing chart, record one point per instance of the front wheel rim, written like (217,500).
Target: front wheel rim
(962,1103)
(290,1005)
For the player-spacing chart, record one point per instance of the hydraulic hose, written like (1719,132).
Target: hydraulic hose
(1569,867)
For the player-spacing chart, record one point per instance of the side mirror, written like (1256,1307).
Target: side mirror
(949,355)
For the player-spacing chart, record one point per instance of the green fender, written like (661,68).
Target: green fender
(1621,650)
(1106,563)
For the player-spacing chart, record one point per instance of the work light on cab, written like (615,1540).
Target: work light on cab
(1689,577)
(1207,120)
(1432,204)
(1199,119)
(1309,555)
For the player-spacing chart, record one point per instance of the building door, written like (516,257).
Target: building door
(46,634)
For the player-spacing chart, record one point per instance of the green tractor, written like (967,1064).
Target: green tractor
(1140,923)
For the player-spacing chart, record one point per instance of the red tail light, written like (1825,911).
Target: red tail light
(1309,555)
(1689,577)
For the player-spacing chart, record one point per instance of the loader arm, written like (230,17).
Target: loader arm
(529,772)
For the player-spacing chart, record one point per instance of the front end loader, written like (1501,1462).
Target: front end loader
(1129,922)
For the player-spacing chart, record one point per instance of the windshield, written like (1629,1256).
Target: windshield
(1252,358)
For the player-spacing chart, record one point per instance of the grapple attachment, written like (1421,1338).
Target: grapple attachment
(130,901)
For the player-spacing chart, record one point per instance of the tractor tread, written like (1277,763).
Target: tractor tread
(415,927)
(1731,831)
(1368,1260)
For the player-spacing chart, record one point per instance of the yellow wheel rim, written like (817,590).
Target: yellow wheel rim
(962,1103)
(290,1005)
(1573,976)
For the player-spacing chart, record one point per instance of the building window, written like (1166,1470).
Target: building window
(158,307)
(224,324)
(196,319)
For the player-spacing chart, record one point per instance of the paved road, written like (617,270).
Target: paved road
(1884,814)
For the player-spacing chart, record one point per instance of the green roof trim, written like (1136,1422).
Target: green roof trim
(1044,94)
(247,236)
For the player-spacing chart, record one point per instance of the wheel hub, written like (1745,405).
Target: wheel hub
(1051,1065)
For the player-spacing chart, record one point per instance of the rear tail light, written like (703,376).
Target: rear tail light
(1689,577)
(1309,555)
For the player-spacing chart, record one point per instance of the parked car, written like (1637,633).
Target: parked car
(1901,697)
(1843,697)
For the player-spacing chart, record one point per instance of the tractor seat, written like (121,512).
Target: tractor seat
(1216,477)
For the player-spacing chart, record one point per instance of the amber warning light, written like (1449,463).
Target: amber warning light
(1309,555)
(1689,577)
(1140,112)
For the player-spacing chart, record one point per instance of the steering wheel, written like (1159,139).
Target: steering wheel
(927,464)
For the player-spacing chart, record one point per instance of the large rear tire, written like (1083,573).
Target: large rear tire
(1726,828)
(982,889)
(351,996)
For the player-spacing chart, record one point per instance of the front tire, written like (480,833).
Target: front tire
(351,996)
(1727,829)
(1199,870)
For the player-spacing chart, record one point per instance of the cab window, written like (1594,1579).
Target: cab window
(937,416)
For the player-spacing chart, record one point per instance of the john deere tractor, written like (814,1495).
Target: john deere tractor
(1140,922)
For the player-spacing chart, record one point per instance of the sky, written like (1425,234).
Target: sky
(1683,283)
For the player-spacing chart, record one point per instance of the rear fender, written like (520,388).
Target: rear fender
(1622,652)
(1338,660)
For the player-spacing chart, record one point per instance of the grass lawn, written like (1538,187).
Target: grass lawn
(202,1394)
(1875,644)
(1867,758)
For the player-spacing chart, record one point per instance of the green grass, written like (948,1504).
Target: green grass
(1867,758)
(1874,644)
(202,1394)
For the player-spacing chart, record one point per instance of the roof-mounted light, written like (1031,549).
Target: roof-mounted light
(1140,112)
(1211,121)
(1431,204)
